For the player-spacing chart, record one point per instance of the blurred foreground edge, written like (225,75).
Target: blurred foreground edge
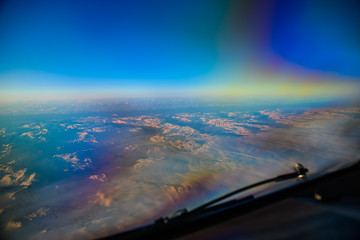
(325,207)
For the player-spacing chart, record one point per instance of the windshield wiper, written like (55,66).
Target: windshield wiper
(299,172)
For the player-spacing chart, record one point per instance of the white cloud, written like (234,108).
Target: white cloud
(41,212)
(183,119)
(140,163)
(132,148)
(100,177)
(28,181)
(17,179)
(119,121)
(76,163)
(29,134)
(144,121)
(157,139)
(43,131)
(6,150)
(97,129)
(135,129)
(228,125)
(85,137)
(68,157)
(184,145)
(37,131)
(272,114)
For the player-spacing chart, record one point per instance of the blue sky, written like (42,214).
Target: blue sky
(157,40)
(143,47)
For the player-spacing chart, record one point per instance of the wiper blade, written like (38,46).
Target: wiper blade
(299,172)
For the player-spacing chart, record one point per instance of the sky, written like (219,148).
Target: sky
(80,49)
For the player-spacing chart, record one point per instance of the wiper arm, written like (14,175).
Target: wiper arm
(299,172)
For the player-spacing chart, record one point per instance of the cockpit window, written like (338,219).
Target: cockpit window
(114,114)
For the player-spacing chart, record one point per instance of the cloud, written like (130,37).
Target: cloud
(97,129)
(228,125)
(151,122)
(140,163)
(85,137)
(119,121)
(72,126)
(172,136)
(272,114)
(143,121)
(184,145)
(173,142)
(103,199)
(5,168)
(76,163)
(43,131)
(183,119)
(82,135)
(157,139)
(13,179)
(68,157)
(135,129)
(33,125)
(6,150)
(100,178)
(132,147)
(28,181)
(6,180)
(12,225)
(17,178)
(35,131)
(29,134)
(41,212)
(172,129)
